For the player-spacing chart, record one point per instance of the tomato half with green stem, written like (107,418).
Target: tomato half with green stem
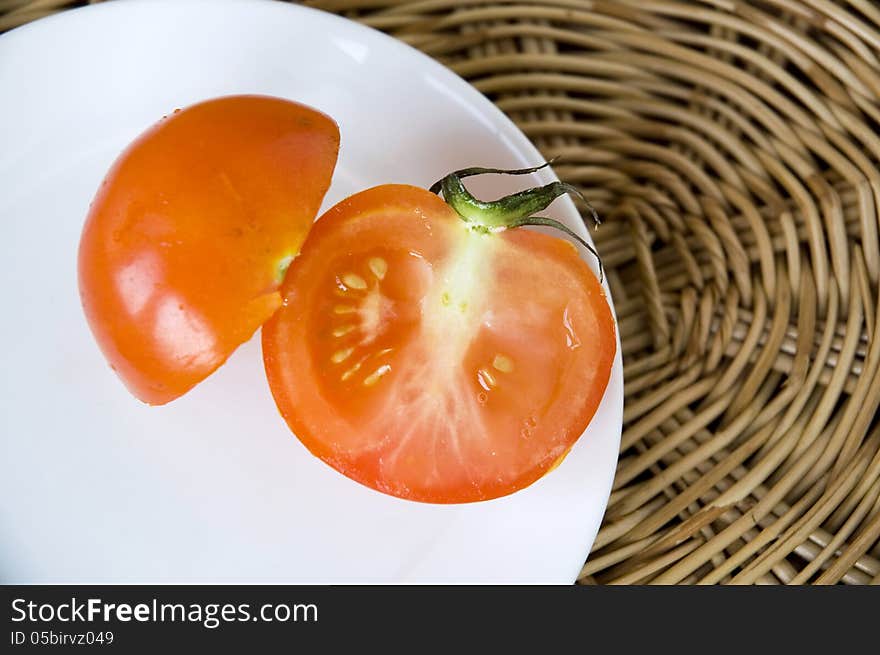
(188,238)
(437,351)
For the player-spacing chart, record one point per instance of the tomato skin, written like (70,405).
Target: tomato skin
(431,362)
(182,250)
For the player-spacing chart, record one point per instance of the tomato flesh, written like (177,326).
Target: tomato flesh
(186,242)
(431,361)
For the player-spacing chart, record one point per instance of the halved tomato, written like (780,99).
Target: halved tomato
(188,238)
(434,356)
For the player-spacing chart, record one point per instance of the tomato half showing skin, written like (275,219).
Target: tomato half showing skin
(435,362)
(186,242)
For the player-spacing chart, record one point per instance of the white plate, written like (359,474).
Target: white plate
(97,487)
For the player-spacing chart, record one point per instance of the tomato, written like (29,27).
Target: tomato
(436,357)
(187,240)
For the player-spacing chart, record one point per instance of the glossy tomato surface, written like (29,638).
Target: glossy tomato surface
(186,242)
(433,362)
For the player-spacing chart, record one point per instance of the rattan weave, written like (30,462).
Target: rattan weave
(732,148)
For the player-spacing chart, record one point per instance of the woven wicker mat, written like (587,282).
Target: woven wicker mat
(732,148)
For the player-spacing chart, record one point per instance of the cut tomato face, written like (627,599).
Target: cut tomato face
(431,360)
(188,238)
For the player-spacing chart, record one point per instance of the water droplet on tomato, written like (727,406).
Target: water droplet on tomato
(571,338)
(482,397)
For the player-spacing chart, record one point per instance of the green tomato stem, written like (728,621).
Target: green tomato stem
(515,210)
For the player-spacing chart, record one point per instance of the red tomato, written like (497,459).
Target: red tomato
(432,359)
(188,238)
